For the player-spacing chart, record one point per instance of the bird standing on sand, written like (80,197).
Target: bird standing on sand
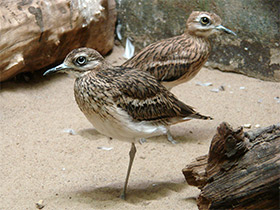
(123,103)
(178,59)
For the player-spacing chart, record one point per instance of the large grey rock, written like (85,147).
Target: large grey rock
(36,34)
(254,52)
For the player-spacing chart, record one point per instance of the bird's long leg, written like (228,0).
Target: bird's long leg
(132,153)
(170,138)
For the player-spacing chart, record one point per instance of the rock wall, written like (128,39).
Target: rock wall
(254,52)
(35,34)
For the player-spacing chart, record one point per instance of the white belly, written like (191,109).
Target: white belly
(121,127)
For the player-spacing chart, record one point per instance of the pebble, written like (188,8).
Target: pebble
(40,204)
(242,88)
(277,99)
(222,88)
(215,90)
(105,148)
(204,84)
(247,125)
(70,131)
(257,125)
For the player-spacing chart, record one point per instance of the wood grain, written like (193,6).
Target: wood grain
(241,170)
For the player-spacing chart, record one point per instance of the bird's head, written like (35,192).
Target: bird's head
(204,24)
(79,61)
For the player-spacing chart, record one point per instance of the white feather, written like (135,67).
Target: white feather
(122,127)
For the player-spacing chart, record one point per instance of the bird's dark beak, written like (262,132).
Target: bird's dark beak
(56,69)
(224,29)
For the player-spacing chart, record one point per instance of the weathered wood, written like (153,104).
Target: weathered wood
(195,172)
(37,34)
(241,171)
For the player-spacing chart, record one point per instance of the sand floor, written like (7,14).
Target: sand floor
(40,161)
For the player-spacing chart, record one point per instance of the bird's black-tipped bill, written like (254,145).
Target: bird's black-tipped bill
(226,30)
(56,69)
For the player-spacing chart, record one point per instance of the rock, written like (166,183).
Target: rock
(257,126)
(39,34)
(40,204)
(248,125)
(254,52)
(215,90)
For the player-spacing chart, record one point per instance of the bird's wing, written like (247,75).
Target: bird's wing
(143,98)
(169,59)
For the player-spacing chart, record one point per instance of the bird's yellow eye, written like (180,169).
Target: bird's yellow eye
(81,60)
(204,21)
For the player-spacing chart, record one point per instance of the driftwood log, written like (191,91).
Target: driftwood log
(241,171)
(39,34)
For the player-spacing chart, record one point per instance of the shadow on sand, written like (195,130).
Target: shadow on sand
(181,138)
(139,193)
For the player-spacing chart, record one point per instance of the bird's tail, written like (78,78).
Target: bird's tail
(197,116)
(192,116)
(187,112)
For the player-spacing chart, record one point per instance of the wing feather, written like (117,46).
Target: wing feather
(164,59)
(144,98)
(170,59)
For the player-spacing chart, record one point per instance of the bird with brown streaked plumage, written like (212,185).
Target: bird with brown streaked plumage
(178,59)
(121,102)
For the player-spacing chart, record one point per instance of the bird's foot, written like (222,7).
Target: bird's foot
(170,138)
(142,140)
(123,196)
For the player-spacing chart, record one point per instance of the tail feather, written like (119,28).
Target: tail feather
(199,116)
(188,112)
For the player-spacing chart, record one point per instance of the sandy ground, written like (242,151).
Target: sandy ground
(39,161)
